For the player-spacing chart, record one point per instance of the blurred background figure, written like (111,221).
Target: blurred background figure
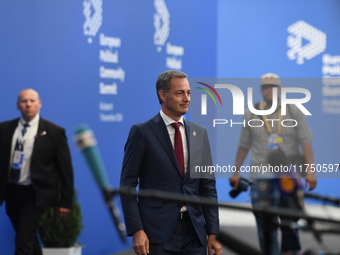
(35,171)
(273,136)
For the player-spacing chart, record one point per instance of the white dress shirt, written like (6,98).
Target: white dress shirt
(171,130)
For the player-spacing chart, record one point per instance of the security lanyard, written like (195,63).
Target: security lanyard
(266,123)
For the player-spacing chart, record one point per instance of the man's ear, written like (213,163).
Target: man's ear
(162,95)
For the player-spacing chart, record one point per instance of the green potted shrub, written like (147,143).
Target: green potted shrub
(59,235)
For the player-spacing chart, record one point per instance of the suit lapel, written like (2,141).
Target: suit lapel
(161,132)
(38,138)
(190,142)
(12,128)
(8,141)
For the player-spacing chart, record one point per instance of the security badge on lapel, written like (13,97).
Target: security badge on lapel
(42,133)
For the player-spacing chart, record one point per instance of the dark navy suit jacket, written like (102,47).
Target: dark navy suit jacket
(150,162)
(51,166)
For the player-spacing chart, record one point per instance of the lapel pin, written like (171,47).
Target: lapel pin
(43,133)
(194,133)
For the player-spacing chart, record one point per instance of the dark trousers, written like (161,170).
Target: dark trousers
(25,216)
(183,241)
(290,237)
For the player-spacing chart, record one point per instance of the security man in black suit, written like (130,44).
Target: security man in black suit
(35,171)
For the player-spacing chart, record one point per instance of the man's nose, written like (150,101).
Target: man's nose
(186,97)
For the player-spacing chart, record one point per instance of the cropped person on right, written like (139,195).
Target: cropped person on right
(261,140)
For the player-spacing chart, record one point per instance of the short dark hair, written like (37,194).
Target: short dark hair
(163,81)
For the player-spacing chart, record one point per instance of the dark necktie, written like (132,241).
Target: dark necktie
(178,146)
(23,131)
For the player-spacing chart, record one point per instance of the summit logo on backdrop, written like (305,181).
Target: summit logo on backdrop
(305,42)
(93,17)
(161,23)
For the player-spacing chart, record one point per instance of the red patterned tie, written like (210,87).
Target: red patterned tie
(178,144)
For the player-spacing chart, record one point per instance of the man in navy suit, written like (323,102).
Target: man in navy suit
(161,227)
(35,171)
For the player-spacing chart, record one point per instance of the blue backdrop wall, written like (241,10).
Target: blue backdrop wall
(96,62)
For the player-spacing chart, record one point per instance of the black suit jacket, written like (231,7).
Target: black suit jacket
(51,166)
(150,162)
